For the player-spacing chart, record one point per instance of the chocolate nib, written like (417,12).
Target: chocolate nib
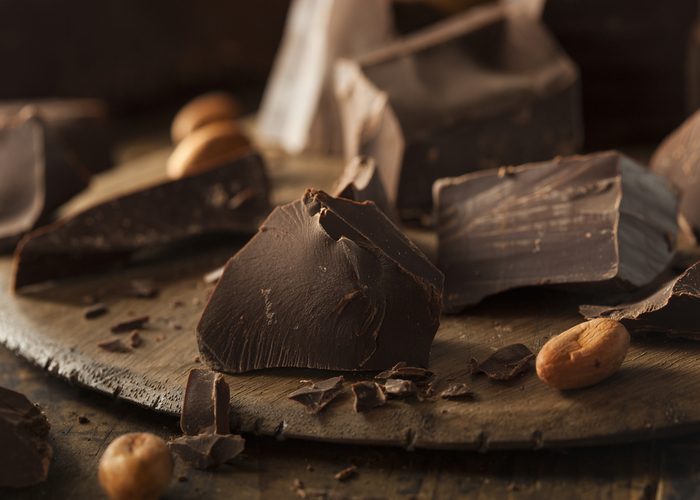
(674,309)
(207,451)
(25,454)
(95,311)
(115,345)
(457,391)
(111,232)
(346,473)
(368,395)
(403,371)
(587,223)
(316,396)
(397,388)
(326,283)
(360,182)
(506,363)
(130,324)
(205,409)
(481,89)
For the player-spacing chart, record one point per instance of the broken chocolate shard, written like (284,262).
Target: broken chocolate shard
(457,391)
(326,283)
(506,363)
(130,324)
(481,89)
(114,345)
(346,474)
(316,396)
(205,409)
(674,309)
(595,223)
(397,388)
(135,339)
(24,430)
(207,451)
(402,371)
(368,395)
(95,311)
(110,233)
(143,289)
(360,182)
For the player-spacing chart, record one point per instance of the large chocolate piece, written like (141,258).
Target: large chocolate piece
(25,454)
(111,232)
(678,159)
(205,409)
(587,223)
(481,89)
(207,451)
(326,283)
(360,182)
(674,309)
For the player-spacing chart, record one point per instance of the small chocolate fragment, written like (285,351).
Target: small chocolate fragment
(205,409)
(95,311)
(114,345)
(143,289)
(83,420)
(403,371)
(506,363)
(111,232)
(346,473)
(360,182)
(130,324)
(368,395)
(316,396)
(457,391)
(674,309)
(25,454)
(595,223)
(397,388)
(135,339)
(326,283)
(207,451)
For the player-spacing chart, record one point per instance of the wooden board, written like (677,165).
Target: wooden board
(656,392)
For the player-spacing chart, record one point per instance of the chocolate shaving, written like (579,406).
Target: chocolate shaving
(397,388)
(506,363)
(457,391)
(368,395)
(95,311)
(207,451)
(114,345)
(346,473)
(130,325)
(403,371)
(316,396)
(205,409)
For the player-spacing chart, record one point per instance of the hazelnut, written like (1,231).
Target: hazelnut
(136,466)
(207,108)
(583,355)
(206,148)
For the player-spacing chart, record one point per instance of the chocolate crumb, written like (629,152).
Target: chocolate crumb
(135,339)
(368,395)
(115,345)
(82,419)
(346,473)
(178,303)
(506,363)
(316,396)
(88,300)
(95,311)
(160,338)
(182,479)
(309,468)
(130,325)
(196,359)
(398,388)
(143,289)
(457,391)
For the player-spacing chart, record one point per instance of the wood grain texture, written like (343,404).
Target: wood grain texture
(656,392)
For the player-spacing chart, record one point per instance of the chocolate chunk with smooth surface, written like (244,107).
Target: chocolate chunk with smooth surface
(25,454)
(111,232)
(506,363)
(207,451)
(360,182)
(595,223)
(674,309)
(326,283)
(368,395)
(397,388)
(316,396)
(205,409)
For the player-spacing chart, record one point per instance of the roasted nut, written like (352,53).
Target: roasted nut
(583,355)
(136,466)
(206,148)
(207,108)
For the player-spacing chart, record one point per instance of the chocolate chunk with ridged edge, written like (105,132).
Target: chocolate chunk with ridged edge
(26,454)
(326,283)
(368,395)
(315,397)
(360,182)
(596,223)
(205,409)
(111,232)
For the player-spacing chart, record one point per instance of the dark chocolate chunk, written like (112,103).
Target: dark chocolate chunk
(326,283)
(346,473)
(368,395)
(403,371)
(207,451)
(143,289)
(316,396)
(360,182)
(112,232)
(130,324)
(397,388)
(457,391)
(205,409)
(25,454)
(484,88)
(135,339)
(114,345)
(506,363)
(674,309)
(95,311)
(595,223)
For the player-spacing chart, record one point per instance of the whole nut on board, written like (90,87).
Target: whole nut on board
(206,148)
(583,355)
(207,108)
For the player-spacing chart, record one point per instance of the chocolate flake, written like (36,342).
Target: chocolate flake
(135,339)
(397,388)
(205,409)
(207,451)
(95,311)
(346,474)
(402,371)
(457,391)
(316,396)
(114,345)
(130,325)
(507,362)
(368,395)
(143,289)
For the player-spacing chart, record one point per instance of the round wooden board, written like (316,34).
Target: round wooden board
(656,392)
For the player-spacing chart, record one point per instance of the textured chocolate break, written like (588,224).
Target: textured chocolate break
(326,283)
(205,409)
(599,223)
(368,395)
(316,396)
(397,388)
(207,451)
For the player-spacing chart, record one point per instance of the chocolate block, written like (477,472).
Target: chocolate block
(360,182)
(205,409)
(111,232)
(674,309)
(326,283)
(482,89)
(678,159)
(25,454)
(594,223)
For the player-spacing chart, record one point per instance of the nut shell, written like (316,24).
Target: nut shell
(583,355)
(207,108)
